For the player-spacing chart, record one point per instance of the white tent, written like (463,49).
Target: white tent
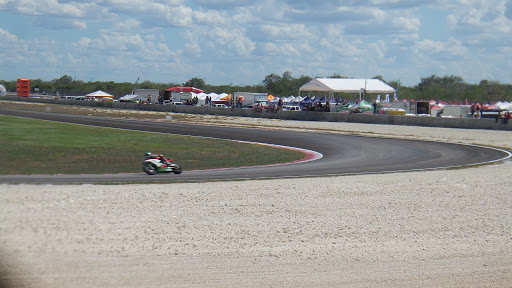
(132,97)
(503,105)
(99,93)
(332,85)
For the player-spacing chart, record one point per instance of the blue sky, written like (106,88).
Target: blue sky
(239,41)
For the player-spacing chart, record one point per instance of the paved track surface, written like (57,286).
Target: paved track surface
(342,154)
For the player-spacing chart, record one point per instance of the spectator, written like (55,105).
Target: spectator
(499,117)
(507,116)
(478,111)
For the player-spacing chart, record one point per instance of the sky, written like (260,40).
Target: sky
(239,42)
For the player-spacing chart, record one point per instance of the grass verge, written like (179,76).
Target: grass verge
(31,146)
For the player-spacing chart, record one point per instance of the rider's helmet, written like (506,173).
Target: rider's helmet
(148,154)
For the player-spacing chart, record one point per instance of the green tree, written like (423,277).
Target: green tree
(40,86)
(10,86)
(63,81)
(284,85)
(297,83)
(146,85)
(271,82)
(195,82)
(449,88)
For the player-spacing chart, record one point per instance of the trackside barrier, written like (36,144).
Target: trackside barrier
(465,123)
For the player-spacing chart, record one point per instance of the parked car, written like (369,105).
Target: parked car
(292,108)
(220,106)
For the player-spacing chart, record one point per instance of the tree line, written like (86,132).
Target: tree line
(449,88)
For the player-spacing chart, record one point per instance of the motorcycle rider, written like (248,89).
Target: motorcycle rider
(160,157)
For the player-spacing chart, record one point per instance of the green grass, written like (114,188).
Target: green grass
(43,147)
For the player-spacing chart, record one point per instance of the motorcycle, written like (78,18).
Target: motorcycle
(152,165)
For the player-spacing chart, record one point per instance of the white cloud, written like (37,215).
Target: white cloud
(127,55)
(335,40)
(441,49)
(286,31)
(52,7)
(282,49)
(243,16)
(133,3)
(218,41)
(210,18)
(127,25)
(234,40)
(480,16)
(79,24)
(40,54)
(7,37)
(193,48)
(152,13)
(406,25)
(379,49)
(176,16)
(224,4)
(111,43)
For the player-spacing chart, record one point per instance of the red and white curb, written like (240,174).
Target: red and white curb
(310,155)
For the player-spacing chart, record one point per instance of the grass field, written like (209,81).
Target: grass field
(42,147)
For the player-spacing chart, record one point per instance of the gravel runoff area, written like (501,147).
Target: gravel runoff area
(446,228)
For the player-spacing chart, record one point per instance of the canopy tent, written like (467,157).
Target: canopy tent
(214,97)
(324,100)
(503,105)
(132,98)
(306,101)
(363,105)
(332,85)
(99,94)
(184,89)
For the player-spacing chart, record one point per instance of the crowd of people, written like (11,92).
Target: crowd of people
(274,107)
(504,117)
(318,106)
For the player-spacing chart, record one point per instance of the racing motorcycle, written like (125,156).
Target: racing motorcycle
(153,164)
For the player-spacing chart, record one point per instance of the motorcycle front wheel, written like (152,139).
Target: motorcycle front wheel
(176,169)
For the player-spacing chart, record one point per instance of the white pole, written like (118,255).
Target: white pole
(364,95)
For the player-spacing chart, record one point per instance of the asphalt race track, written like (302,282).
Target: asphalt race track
(342,154)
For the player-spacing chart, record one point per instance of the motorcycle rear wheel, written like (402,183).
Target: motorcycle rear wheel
(149,169)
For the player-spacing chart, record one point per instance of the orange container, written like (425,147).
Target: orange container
(23,87)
